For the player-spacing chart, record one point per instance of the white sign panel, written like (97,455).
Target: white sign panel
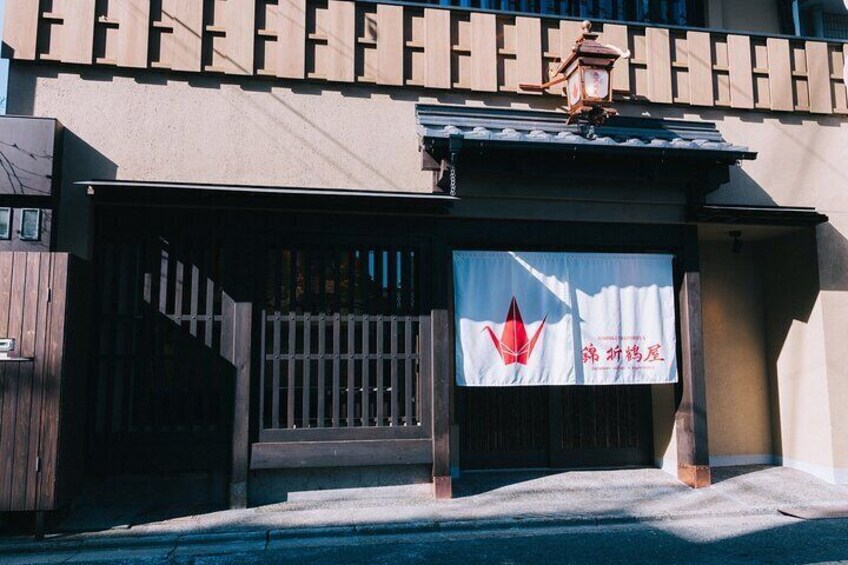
(538,319)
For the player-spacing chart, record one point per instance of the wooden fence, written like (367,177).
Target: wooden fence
(415,46)
(44,306)
(338,381)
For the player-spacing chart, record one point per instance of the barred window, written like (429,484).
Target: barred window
(669,12)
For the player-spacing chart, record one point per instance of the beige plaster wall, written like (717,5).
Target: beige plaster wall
(152,126)
(735,353)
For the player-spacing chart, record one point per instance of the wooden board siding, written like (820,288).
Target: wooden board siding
(389,45)
(20,29)
(659,65)
(415,46)
(780,75)
(287,28)
(42,295)
(484,49)
(700,68)
(528,45)
(818,73)
(741,79)
(180,31)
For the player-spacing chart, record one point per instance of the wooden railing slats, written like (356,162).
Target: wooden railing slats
(133,20)
(20,29)
(341,40)
(484,52)
(182,42)
(780,75)
(818,74)
(291,374)
(408,45)
(390,45)
(700,68)
(437,48)
(618,35)
(289,48)
(741,78)
(528,44)
(322,363)
(373,342)
(659,65)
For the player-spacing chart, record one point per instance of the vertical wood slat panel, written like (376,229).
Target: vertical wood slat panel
(292,338)
(263,364)
(182,46)
(290,16)
(818,70)
(659,65)
(133,28)
(618,35)
(700,68)
(53,380)
(74,37)
(40,368)
(239,22)
(741,71)
(20,29)
(408,393)
(529,49)
(484,52)
(351,374)
(341,38)
(337,351)
(195,297)
(569,32)
(275,371)
(22,461)
(366,384)
(780,74)
(11,388)
(322,363)
(307,368)
(390,45)
(437,48)
(380,368)
(393,345)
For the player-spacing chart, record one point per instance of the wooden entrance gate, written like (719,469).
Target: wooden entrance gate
(557,427)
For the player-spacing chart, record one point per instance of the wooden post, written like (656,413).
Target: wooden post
(235,347)
(442,487)
(693,453)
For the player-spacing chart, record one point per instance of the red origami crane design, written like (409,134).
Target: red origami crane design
(513,345)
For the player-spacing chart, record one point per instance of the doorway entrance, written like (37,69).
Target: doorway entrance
(563,427)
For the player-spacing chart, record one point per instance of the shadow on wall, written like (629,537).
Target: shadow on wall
(80,161)
(795,265)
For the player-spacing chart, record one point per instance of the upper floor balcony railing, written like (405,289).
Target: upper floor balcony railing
(407,44)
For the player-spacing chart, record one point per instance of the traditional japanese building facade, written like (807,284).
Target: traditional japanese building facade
(269,195)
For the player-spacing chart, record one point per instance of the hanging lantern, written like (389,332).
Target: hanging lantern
(587,74)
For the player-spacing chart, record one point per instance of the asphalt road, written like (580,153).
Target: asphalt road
(752,539)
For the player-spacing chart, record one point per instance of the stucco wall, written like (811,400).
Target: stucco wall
(735,354)
(152,126)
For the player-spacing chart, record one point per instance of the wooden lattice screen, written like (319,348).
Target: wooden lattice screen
(342,343)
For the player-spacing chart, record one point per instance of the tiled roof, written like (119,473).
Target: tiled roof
(620,134)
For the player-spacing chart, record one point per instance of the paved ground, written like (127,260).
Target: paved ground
(640,515)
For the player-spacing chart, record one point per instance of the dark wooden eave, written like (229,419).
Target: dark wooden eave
(175,194)
(755,215)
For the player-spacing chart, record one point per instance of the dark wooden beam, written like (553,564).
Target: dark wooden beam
(304,454)
(441,348)
(235,348)
(693,453)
